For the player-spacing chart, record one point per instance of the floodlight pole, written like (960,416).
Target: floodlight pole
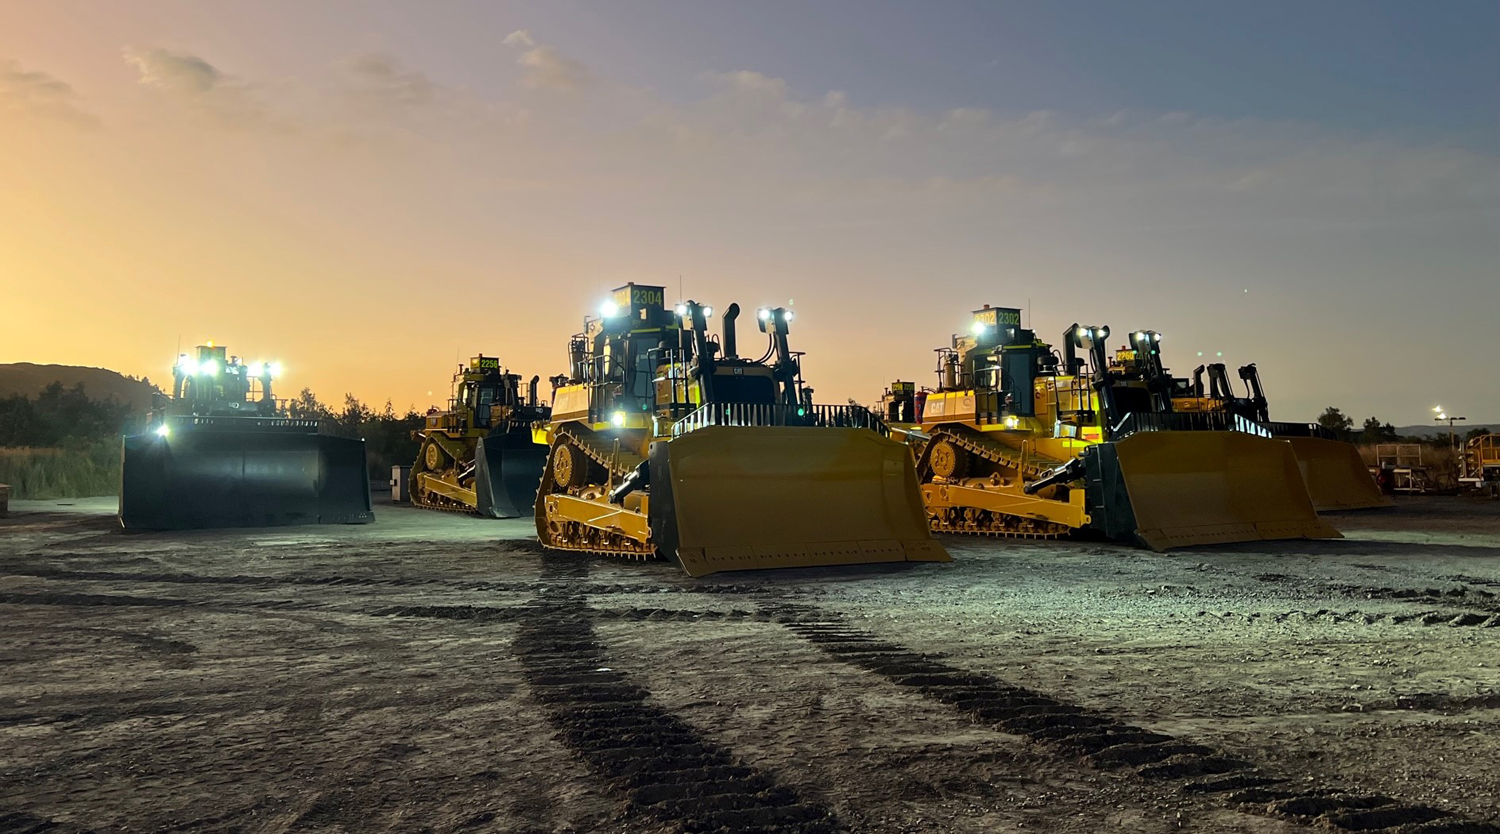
(1451,420)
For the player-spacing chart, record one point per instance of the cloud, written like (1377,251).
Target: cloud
(40,95)
(383,77)
(520,37)
(752,135)
(546,68)
(192,81)
(749,81)
(174,70)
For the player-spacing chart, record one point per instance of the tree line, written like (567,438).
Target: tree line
(387,433)
(61,417)
(66,418)
(1373,431)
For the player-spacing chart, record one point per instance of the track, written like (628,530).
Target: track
(1102,742)
(572,535)
(663,768)
(989,452)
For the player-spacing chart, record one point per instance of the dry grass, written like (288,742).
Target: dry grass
(80,472)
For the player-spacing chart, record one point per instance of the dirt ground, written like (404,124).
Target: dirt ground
(433,672)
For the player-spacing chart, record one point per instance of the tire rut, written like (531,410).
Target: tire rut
(1457,619)
(660,765)
(22,822)
(1103,742)
(1460,598)
(339,580)
(499,614)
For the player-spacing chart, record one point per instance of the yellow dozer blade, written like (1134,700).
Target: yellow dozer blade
(1335,474)
(1209,487)
(731,498)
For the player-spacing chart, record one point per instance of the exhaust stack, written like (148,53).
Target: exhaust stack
(730,342)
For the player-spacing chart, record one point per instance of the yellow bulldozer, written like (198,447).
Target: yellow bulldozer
(1019,440)
(477,457)
(1335,474)
(665,442)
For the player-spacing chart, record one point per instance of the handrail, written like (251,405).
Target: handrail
(768,414)
(308,425)
(1280,429)
(1138,421)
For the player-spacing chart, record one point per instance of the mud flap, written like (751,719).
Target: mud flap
(507,473)
(1335,474)
(208,479)
(1181,488)
(731,498)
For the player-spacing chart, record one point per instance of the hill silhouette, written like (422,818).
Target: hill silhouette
(28,379)
(1437,429)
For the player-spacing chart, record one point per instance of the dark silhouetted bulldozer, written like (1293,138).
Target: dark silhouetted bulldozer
(221,451)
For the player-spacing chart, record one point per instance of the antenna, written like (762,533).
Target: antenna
(1028,314)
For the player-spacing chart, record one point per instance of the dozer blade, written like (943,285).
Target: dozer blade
(1180,488)
(202,479)
(507,474)
(731,498)
(1335,474)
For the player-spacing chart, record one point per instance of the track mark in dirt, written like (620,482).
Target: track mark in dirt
(338,580)
(494,614)
(1472,597)
(1432,702)
(148,642)
(1103,742)
(1473,580)
(1462,619)
(46,598)
(20,822)
(666,771)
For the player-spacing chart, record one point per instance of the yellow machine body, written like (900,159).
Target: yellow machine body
(1335,474)
(1012,444)
(657,464)
(1191,488)
(792,496)
(477,457)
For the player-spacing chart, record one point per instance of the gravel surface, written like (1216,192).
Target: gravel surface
(433,672)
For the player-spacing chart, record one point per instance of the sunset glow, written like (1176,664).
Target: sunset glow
(373,192)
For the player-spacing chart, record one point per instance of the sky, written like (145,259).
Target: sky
(371,191)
